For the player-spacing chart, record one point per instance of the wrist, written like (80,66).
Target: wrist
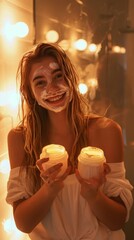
(52,189)
(96,199)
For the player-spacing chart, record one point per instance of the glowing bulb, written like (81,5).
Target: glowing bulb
(83,88)
(52,36)
(20,29)
(93,83)
(122,50)
(116,49)
(92,47)
(80,44)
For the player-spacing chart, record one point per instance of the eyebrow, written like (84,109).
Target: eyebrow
(40,76)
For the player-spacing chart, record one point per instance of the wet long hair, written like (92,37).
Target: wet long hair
(34,117)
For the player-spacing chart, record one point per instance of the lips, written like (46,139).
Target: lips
(55,98)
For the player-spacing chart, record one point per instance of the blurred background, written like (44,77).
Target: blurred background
(98,36)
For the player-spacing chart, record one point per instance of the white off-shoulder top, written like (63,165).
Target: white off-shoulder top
(70,217)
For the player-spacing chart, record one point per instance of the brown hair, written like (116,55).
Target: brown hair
(34,117)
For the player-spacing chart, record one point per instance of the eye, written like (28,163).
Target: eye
(40,83)
(58,76)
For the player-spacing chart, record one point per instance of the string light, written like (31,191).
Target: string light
(10,31)
(82,88)
(118,49)
(80,44)
(92,48)
(52,36)
(20,29)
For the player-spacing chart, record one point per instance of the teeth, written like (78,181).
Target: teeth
(55,98)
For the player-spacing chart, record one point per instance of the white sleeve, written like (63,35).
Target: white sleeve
(17,186)
(118,185)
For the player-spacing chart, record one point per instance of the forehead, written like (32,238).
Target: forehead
(47,64)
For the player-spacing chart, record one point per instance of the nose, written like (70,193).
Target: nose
(50,87)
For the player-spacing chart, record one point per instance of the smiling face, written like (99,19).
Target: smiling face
(49,86)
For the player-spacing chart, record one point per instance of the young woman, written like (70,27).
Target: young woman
(66,207)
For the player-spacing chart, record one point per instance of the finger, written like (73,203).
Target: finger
(65,174)
(52,169)
(39,163)
(51,176)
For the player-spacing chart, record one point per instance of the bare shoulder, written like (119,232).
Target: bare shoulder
(107,134)
(106,124)
(16,151)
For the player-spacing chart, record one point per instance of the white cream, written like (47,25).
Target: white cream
(53,92)
(48,99)
(90,162)
(56,154)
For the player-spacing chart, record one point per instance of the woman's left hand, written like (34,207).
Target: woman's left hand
(90,187)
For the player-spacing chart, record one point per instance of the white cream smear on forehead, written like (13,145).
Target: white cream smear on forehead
(53,65)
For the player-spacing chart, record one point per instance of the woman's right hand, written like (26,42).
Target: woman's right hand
(51,176)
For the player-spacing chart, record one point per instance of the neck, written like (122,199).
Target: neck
(58,122)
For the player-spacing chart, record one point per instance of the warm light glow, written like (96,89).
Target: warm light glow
(3,99)
(122,50)
(10,31)
(4,166)
(92,82)
(64,44)
(20,29)
(11,101)
(83,88)
(118,49)
(52,36)
(11,229)
(92,48)
(7,31)
(93,85)
(9,225)
(80,44)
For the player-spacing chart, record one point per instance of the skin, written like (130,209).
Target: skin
(49,86)
(103,133)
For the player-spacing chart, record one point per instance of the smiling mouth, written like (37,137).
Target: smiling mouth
(56,98)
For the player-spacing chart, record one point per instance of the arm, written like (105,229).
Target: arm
(111,211)
(29,212)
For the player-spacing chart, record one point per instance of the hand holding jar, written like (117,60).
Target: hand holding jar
(91,172)
(53,163)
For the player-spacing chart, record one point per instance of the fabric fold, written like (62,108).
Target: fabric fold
(70,216)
